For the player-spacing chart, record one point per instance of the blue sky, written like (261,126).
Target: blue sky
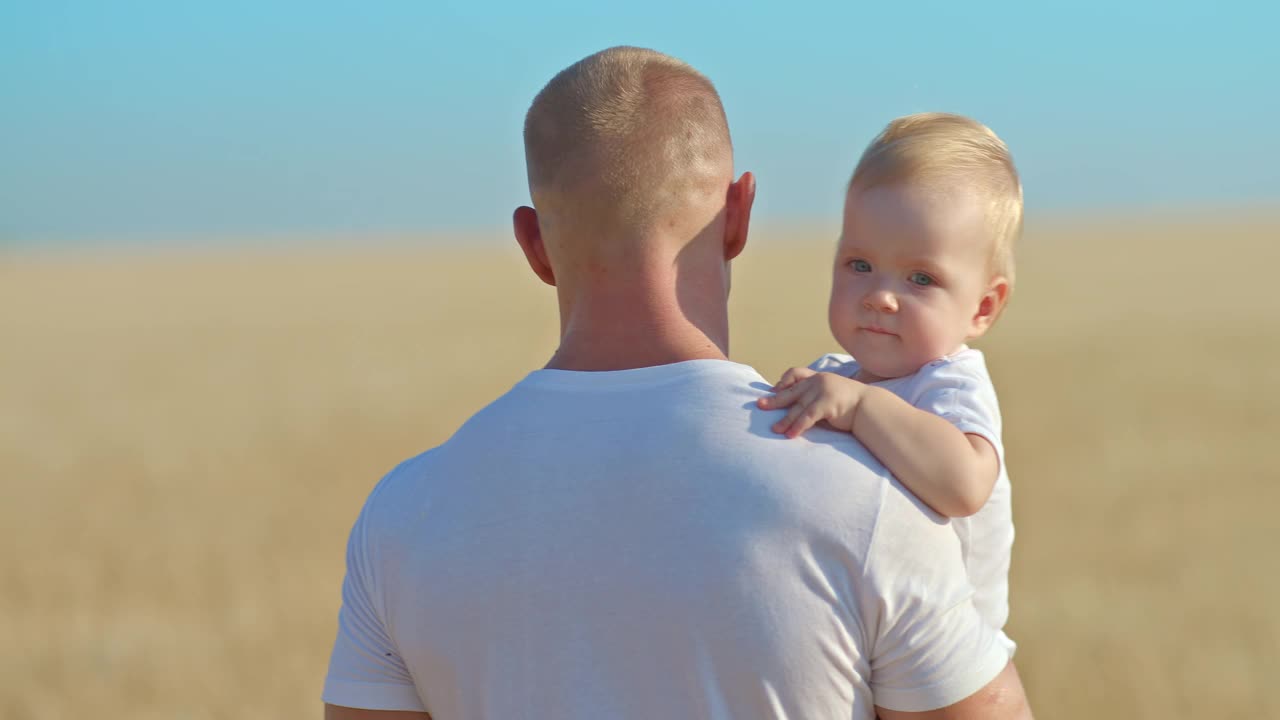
(168,121)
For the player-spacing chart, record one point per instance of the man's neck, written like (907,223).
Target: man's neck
(624,328)
(594,355)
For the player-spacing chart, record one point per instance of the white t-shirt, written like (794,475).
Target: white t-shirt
(640,544)
(958,389)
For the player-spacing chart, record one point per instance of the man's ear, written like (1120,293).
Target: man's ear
(529,234)
(737,208)
(990,306)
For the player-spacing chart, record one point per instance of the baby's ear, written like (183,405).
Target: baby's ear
(990,305)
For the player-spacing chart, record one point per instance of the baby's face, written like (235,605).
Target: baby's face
(910,276)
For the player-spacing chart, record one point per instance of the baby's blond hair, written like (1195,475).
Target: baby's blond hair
(950,152)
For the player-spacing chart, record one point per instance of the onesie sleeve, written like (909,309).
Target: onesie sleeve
(959,391)
(835,363)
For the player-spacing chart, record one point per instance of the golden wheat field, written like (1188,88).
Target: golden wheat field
(186,437)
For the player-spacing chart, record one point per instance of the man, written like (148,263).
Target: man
(621,535)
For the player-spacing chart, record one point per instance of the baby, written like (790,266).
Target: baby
(924,265)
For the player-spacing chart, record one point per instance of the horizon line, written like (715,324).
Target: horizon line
(490,235)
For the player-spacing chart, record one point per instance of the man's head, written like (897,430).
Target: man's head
(628,155)
(926,251)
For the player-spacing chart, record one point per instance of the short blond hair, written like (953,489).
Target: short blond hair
(947,152)
(625,135)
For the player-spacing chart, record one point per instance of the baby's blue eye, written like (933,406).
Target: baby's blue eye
(921,279)
(860,266)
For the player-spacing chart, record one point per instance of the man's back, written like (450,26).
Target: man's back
(639,544)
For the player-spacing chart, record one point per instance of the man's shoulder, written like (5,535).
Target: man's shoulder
(706,424)
(407,476)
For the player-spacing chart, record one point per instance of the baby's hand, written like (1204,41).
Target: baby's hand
(793,376)
(813,397)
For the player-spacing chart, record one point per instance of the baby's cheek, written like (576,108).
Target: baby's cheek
(934,333)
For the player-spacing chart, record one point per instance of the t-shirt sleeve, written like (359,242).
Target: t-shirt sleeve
(366,670)
(960,393)
(929,646)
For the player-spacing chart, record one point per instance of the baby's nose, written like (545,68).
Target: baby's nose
(881,301)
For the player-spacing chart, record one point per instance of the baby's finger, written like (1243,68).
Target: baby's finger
(788,376)
(792,376)
(811,416)
(781,399)
(783,426)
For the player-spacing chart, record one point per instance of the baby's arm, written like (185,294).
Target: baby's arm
(952,471)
